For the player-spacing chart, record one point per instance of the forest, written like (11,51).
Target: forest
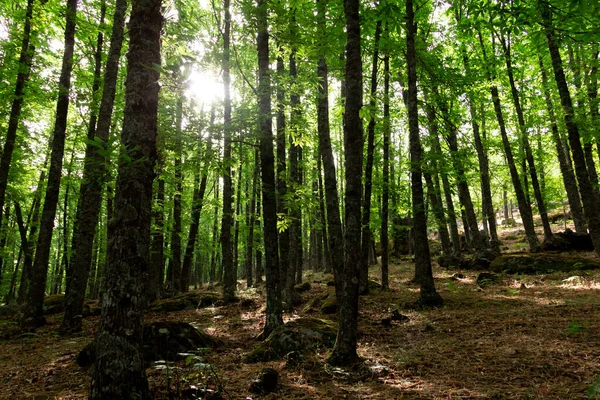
(216,199)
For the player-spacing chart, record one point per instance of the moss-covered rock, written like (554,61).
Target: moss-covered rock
(541,263)
(302,287)
(330,304)
(303,335)
(313,305)
(487,278)
(54,304)
(184,301)
(568,241)
(162,341)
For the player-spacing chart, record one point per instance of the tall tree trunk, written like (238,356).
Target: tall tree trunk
(213,259)
(346,277)
(94,174)
(281,179)
(524,206)
(267,163)
(564,156)
(327,262)
(229,270)
(174,277)
(363,287)
(585,186)
(335,237)
(33,315)
(251,220)
(385,196)
(537,192)
(25,60)
(118,370)
(423,271)
(238,205)
(197,203)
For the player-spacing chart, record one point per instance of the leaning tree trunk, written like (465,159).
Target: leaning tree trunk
(524,206)
(24,69)
(585,187)
(537,192)
(423,271)
(363,278)
(94,176)
(564,156)
(267,164)
(33,315)
(229,270)
(119,371)
(346,277)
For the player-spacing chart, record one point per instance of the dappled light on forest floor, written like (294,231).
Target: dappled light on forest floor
(523,337)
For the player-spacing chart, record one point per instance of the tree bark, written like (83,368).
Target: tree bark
(174,268)
(267,163)
(564,156)
(385,196)
(118,370)
(346,276)
(94,175)
(33,315)
(585,186)
(363,286)
(229,270)
(423,271)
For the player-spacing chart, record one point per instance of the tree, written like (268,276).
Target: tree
(346,276)
(267,166)
(94,177)
(33,315)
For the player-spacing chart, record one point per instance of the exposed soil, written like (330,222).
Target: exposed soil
(527,336)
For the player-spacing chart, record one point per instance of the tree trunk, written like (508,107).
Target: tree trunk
(33,315)
(346,276)
(229,270)
(334,226)
(386,171)
(524,206)
(585,186)
(118,370)
(564,156)
(251,220)
(25,60)
(363,278)
(537,192)
(423,272)
(267,163)
(174,277)
(213,259)
(94,175)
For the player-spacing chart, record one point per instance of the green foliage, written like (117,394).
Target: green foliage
(575,327)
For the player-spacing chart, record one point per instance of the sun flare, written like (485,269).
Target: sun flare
(204,87)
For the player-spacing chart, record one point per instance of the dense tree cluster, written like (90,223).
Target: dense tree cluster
(250,139)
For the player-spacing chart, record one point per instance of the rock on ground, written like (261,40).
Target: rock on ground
(541,263)
(303,335)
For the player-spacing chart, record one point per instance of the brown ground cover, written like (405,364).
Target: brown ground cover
(528,337)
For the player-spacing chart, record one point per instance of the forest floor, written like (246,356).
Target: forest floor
(527,337)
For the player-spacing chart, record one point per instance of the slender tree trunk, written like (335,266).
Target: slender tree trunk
(33,315)
(423,271)
(238,205)
(215,230)
(585,186)
(281,180)
(229,270)
(526,145)
(25,60)
(386,171)
(175,259)
(524,206)
(344,351)
(327,262)
(366,211)
(118,370)
(94,174)
(267,163)
(564,156)
(258,267)
(251,220)
(335,237)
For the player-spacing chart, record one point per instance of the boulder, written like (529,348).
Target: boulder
(487,278)
(568,241)
(184,301)
(266,381)
(54,304)
(302,287)
(162,341)
(541,263)
(329,305)
(303,335)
